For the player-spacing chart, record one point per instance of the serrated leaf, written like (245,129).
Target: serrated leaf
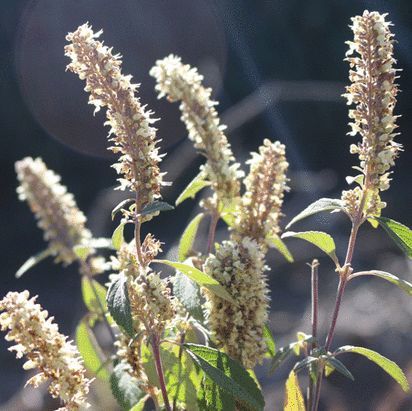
(340,367)
(200,278)
(119,305)
(90,351)
(118,237)
(193,188)
(32,261)
(270,342)
(155,207)
(276,242)
(227,374)
(125,387)
(323,204)
(402,284)
(120,206)
(318,238)
(400,234)
(293,396)
(188,237)
(94,295)
(188,293)
(387,365)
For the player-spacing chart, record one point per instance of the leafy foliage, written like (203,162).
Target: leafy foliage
(32,261)
(193,188)
(293,397)
(188,237)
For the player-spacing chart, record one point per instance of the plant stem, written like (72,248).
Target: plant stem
(159,369)
(212,231)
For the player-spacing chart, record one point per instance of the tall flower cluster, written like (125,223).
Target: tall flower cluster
(130,125)
(55,209)
(238,327)
(373,91)
(260,207)
(180,82)
(38,338)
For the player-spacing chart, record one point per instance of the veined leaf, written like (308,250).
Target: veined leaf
(119,305)
(293,396)
(188,293)
(270,342)
(120,206)
(32,261)
(323,204)
(90,351)
(94,295)
(117,237)
(125,388)
(192,188)
(227,374)
(318,238)
(188,237)
(404,285)
(387,365)
(400,234)
(155,207)
(276,242)
(200,278)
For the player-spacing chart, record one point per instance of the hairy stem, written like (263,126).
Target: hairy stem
(159,369)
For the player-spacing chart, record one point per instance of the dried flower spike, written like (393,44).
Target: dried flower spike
(38,338)
(238,327)
(373,91)
(133,136)
(180,82)
(260,207)
(55,209)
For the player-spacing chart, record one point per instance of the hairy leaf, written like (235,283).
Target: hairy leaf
(293,396)
(227,374)
(193,187)
(90,351)
(155,207)
(119,305)
(400,234)
(91,288)
(120,206)
(32,261)
(323,204)
(318,238)
(276,242)
(188,237)
(387,365)
(200,278)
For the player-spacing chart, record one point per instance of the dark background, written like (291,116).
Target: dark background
(276,67)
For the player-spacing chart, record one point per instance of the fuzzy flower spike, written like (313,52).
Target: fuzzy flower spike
(373,92)
(180,82)
(55,209)
(38,338)
(131,126)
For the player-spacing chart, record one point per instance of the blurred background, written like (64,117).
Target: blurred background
(276,68)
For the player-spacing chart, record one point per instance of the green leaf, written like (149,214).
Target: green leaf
(91,288)
(120,206)
(140,405)
(214,398)
(270,342)
(318,238)
(193,187)
(119,305)
(355,179)
(125,388)
(188,293)
(400,234)
(117,237)
(155,207)
(387,365)
(402,284)
(82,251)
(227,374)
(32,261)
(323,204)
(293,396)
(305,363)
(200,278)
(276,242)
(340,367)
(188,237)
(90,351)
